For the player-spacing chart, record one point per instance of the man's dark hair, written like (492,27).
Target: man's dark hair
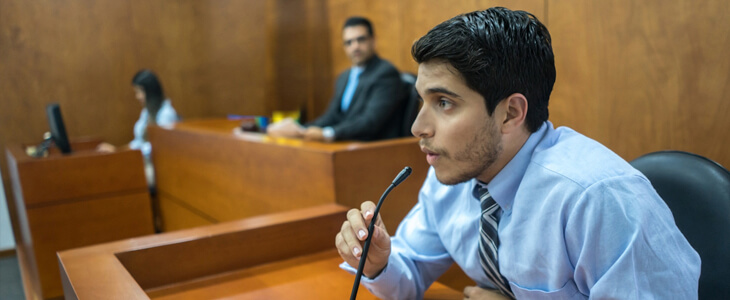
(359,21)
(498,52)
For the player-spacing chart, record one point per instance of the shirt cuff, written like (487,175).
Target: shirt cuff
(380,277)
(328,133)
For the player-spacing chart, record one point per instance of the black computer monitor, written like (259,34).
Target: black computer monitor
(58,130)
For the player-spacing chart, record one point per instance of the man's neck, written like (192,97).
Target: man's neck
(364,62)
(511,148)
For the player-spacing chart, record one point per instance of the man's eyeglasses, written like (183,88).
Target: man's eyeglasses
(359,39)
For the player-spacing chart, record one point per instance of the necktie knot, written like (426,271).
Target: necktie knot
(485,199)
(480,191)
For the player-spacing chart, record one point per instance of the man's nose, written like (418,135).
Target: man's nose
(422,127)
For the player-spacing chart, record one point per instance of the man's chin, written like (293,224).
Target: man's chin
(450,179)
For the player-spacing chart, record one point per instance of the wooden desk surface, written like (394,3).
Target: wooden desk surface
(312,276)
(288,255)
(226,127)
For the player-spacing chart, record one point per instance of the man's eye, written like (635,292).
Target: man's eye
(444,104)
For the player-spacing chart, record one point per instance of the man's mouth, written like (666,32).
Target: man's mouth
(431,156)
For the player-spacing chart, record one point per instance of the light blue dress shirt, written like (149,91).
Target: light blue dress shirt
(578,222)
(351,87)
(165,116)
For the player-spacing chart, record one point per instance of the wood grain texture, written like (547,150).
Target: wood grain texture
(210,56)
(251,57)
(175,214)
(397,24)
(644,76)
(226,178)
(67,201)
(364,174)
(59,178)
(263,257)
(636,76)
(217,175)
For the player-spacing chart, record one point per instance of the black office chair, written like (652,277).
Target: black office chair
(697,190)
(411,106)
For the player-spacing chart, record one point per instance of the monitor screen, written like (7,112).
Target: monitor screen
(58,130)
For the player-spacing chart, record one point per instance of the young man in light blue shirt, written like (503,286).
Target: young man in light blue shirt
(528,211)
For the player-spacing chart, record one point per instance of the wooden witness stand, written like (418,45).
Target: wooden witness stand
(68,201)
(287,255)
(208,172)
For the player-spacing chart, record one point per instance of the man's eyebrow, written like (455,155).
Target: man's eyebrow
(357,37)
(441,90)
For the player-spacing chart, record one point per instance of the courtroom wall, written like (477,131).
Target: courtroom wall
(214,58)
(638,76)
(642,76)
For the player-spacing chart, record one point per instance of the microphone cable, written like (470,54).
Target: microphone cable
(398,179)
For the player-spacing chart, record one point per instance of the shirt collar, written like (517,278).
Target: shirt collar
(503,187)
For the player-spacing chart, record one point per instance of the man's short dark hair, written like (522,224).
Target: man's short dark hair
(359,21)
(498,52)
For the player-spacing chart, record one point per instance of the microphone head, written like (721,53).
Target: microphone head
(402,176)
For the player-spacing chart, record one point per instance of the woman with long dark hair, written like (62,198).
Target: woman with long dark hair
(157,111)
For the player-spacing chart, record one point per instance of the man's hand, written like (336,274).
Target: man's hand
(314,133)
(475,292)
(351,239)
(285,128)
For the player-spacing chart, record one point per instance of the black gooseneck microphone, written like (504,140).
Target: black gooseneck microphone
(398,179)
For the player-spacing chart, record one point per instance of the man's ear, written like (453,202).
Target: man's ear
(515,112)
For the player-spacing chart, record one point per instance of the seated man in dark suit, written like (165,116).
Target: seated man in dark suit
(369,99)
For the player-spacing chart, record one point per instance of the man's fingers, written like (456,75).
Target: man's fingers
(341,245)
(358,224)
(350,240)
(380,242)
(468,291)
(352,244)
(475,292)
(367,209)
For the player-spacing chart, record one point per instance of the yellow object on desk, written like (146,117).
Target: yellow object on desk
(279,115)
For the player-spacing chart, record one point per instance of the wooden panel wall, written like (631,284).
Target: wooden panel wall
(299,65)
(397,24)
(638,76)
(84,53)
(213,57)
(642,76)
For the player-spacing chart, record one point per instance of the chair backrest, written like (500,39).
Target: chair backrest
(697,190)
(411,103)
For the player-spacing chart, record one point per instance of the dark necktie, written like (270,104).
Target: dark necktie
(489,239)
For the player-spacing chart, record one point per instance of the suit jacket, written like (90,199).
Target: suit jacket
(378,106)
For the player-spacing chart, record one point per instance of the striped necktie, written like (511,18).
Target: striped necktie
(489,239)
